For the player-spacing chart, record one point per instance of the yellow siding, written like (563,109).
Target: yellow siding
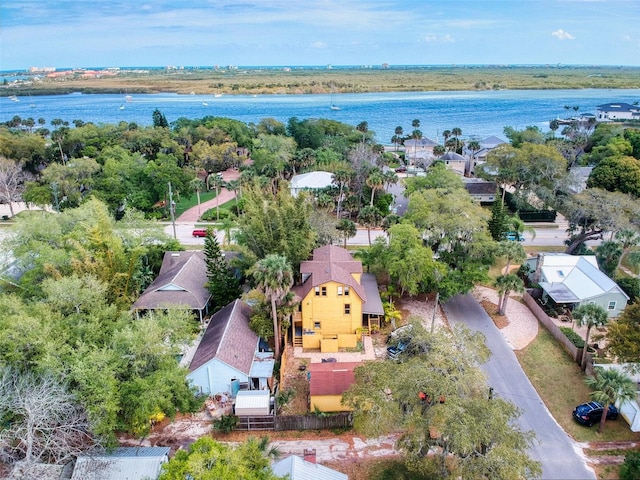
(348,341)
(328,403)
(329,345)
(329,311)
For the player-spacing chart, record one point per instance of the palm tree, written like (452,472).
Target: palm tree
(341,177)
(226,225)
(375,181)
(609,255)
(234,186)
(274,276)
(505,285)
(347,229)
(217,182)
(446,134)
(511,251)
(198,185)
(591,315)
(628,238)
(610,386)
(363,127)
(369,217)
(456,132)
(398,134)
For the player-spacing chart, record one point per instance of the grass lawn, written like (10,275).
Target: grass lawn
(560,383)
(186,203)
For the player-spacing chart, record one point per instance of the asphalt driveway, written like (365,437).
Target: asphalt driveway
(561,458)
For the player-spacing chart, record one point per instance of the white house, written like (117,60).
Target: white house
(630,409)
(479,157)
(617,111)
(310,181)
(574,280)
(228,357)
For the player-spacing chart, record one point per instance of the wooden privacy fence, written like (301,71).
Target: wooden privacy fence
(295,422)
(554,330)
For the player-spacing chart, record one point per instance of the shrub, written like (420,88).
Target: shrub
(225,424)
(630,469)
(282,398)
(576,339)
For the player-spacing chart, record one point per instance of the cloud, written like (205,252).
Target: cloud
(318,45)
(562,35)
(433,38)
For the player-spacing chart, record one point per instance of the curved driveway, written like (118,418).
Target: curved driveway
(560,457)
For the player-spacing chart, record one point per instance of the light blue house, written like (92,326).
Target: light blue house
(574,280)
(228,357)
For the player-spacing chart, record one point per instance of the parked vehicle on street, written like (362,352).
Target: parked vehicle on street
(590,413)
(199,232)
(514,236)
(401,169)
(394,351)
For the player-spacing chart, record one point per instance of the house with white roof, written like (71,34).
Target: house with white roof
(574,280)
(617,111)
(306,469)
(310,181)
(131,463)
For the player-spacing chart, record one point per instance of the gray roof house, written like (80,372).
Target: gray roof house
(454,161)
(482,191)
(228,355)
(417,150)
(617,111)
(480,156)
(574,280)
(180,283)
(130,463)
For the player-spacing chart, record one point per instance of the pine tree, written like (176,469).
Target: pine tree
(222,284)
(498,220)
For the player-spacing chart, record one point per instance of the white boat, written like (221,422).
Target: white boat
(205,104)
(13,98)
(334,107)
(218,95)
(128,98)
(121,107)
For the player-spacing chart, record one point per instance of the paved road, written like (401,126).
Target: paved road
(560,457)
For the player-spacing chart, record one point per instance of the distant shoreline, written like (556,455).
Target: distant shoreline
(273,80)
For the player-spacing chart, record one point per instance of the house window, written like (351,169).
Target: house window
(316,324)
(612,305)
(339,291)
(346,291)
(324,291)
(317,291)
(347,309)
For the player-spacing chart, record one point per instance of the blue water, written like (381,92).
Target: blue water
(477,114)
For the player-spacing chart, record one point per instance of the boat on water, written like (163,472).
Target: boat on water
(13,98)
(121,107)
(128,98)
(218,95)
(334,107)
(205,104)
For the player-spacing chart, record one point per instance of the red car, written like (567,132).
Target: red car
(199,232)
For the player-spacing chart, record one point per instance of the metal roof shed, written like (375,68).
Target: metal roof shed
(253,402)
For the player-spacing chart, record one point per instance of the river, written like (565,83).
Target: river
(477,113)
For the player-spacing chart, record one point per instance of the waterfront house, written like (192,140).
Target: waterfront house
(454,161)
(228,358)
(617,111)
(479,157)
(337,301)
(419,151)
(574,280)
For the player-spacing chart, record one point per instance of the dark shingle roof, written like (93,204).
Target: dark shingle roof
(180,282)
(228,338)
(331,378)
(480,187)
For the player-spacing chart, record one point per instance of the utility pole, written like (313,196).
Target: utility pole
(54,187)
(172,207)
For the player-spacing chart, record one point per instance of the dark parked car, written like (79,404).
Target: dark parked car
(591,412)
(401,169)
(394,351)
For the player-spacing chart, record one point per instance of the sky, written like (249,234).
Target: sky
(107,33)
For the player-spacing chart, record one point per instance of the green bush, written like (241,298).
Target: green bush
(225,424)
(576,339)
(630,469)
(282,398)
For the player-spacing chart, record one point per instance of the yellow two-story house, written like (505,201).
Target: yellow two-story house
(338,302)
